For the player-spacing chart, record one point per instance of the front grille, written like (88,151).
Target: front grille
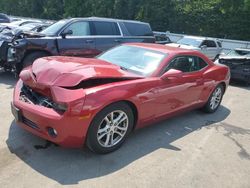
(30,96)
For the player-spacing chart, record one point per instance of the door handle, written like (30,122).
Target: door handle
(89,41)
(117,40)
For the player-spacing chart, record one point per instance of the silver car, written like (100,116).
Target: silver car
(210,47)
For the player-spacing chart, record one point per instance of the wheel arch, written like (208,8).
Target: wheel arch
(134,109)
(224,86)
(129,103)
(28,52)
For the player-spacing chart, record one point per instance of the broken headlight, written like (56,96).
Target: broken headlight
(60,107)
(11,54)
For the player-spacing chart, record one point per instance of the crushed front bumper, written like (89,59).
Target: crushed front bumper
(71,130)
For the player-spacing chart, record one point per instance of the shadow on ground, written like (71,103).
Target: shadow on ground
(7,78)
(69,166)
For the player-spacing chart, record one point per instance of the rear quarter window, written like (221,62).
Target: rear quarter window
(106,28)
(201,63)
(211,44)
(137,29)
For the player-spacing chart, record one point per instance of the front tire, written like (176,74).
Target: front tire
(30,58)
(214,100)
(110,128)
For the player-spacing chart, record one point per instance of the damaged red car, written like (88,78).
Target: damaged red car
(98,102)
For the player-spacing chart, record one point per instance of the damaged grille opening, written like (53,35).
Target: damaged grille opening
(237,64)
(30,96)
(96,82)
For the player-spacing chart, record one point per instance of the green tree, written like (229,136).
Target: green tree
(216,18)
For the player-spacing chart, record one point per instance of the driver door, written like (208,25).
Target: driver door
(80,43)
(174,94)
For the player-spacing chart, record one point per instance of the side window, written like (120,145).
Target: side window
(211,44)
(184,64)
(187,64)
(106,28)
(204,43)
(79,28)
(201,63)
(138,29)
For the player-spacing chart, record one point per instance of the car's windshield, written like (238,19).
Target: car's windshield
(54,28)
(136,59)
(239,53)
(190,41)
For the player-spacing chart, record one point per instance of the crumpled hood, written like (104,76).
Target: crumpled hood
(70,71)
(5,38)
(27,34)
(182,46)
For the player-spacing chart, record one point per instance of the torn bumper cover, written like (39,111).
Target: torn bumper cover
(44,117)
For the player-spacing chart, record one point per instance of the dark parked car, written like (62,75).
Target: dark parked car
(238,60)
(83,37)
(161,38)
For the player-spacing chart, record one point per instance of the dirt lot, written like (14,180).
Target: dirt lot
(192,150)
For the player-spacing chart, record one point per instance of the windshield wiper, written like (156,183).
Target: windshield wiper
(124,68)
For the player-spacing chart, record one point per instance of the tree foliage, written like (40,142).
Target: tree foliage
(216,18)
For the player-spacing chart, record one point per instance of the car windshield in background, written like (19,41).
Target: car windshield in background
(239,53)
(139,60)
(53,29)
(190,42)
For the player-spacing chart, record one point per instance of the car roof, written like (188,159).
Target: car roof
(242,49)
(200,38)
(105,19)
(161,48)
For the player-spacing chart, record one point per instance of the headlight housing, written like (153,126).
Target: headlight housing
(60,107)
(11,54)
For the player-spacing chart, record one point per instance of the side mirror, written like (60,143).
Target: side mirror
(171,74)
(65,33)
(203,46)
(39,29)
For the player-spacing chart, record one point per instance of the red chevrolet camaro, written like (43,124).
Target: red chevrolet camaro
(72,101)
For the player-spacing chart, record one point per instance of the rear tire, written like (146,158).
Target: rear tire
(214,100)
(110,128)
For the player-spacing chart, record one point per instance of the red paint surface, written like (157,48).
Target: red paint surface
(153,97)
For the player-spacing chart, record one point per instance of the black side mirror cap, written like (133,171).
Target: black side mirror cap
(65,33)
